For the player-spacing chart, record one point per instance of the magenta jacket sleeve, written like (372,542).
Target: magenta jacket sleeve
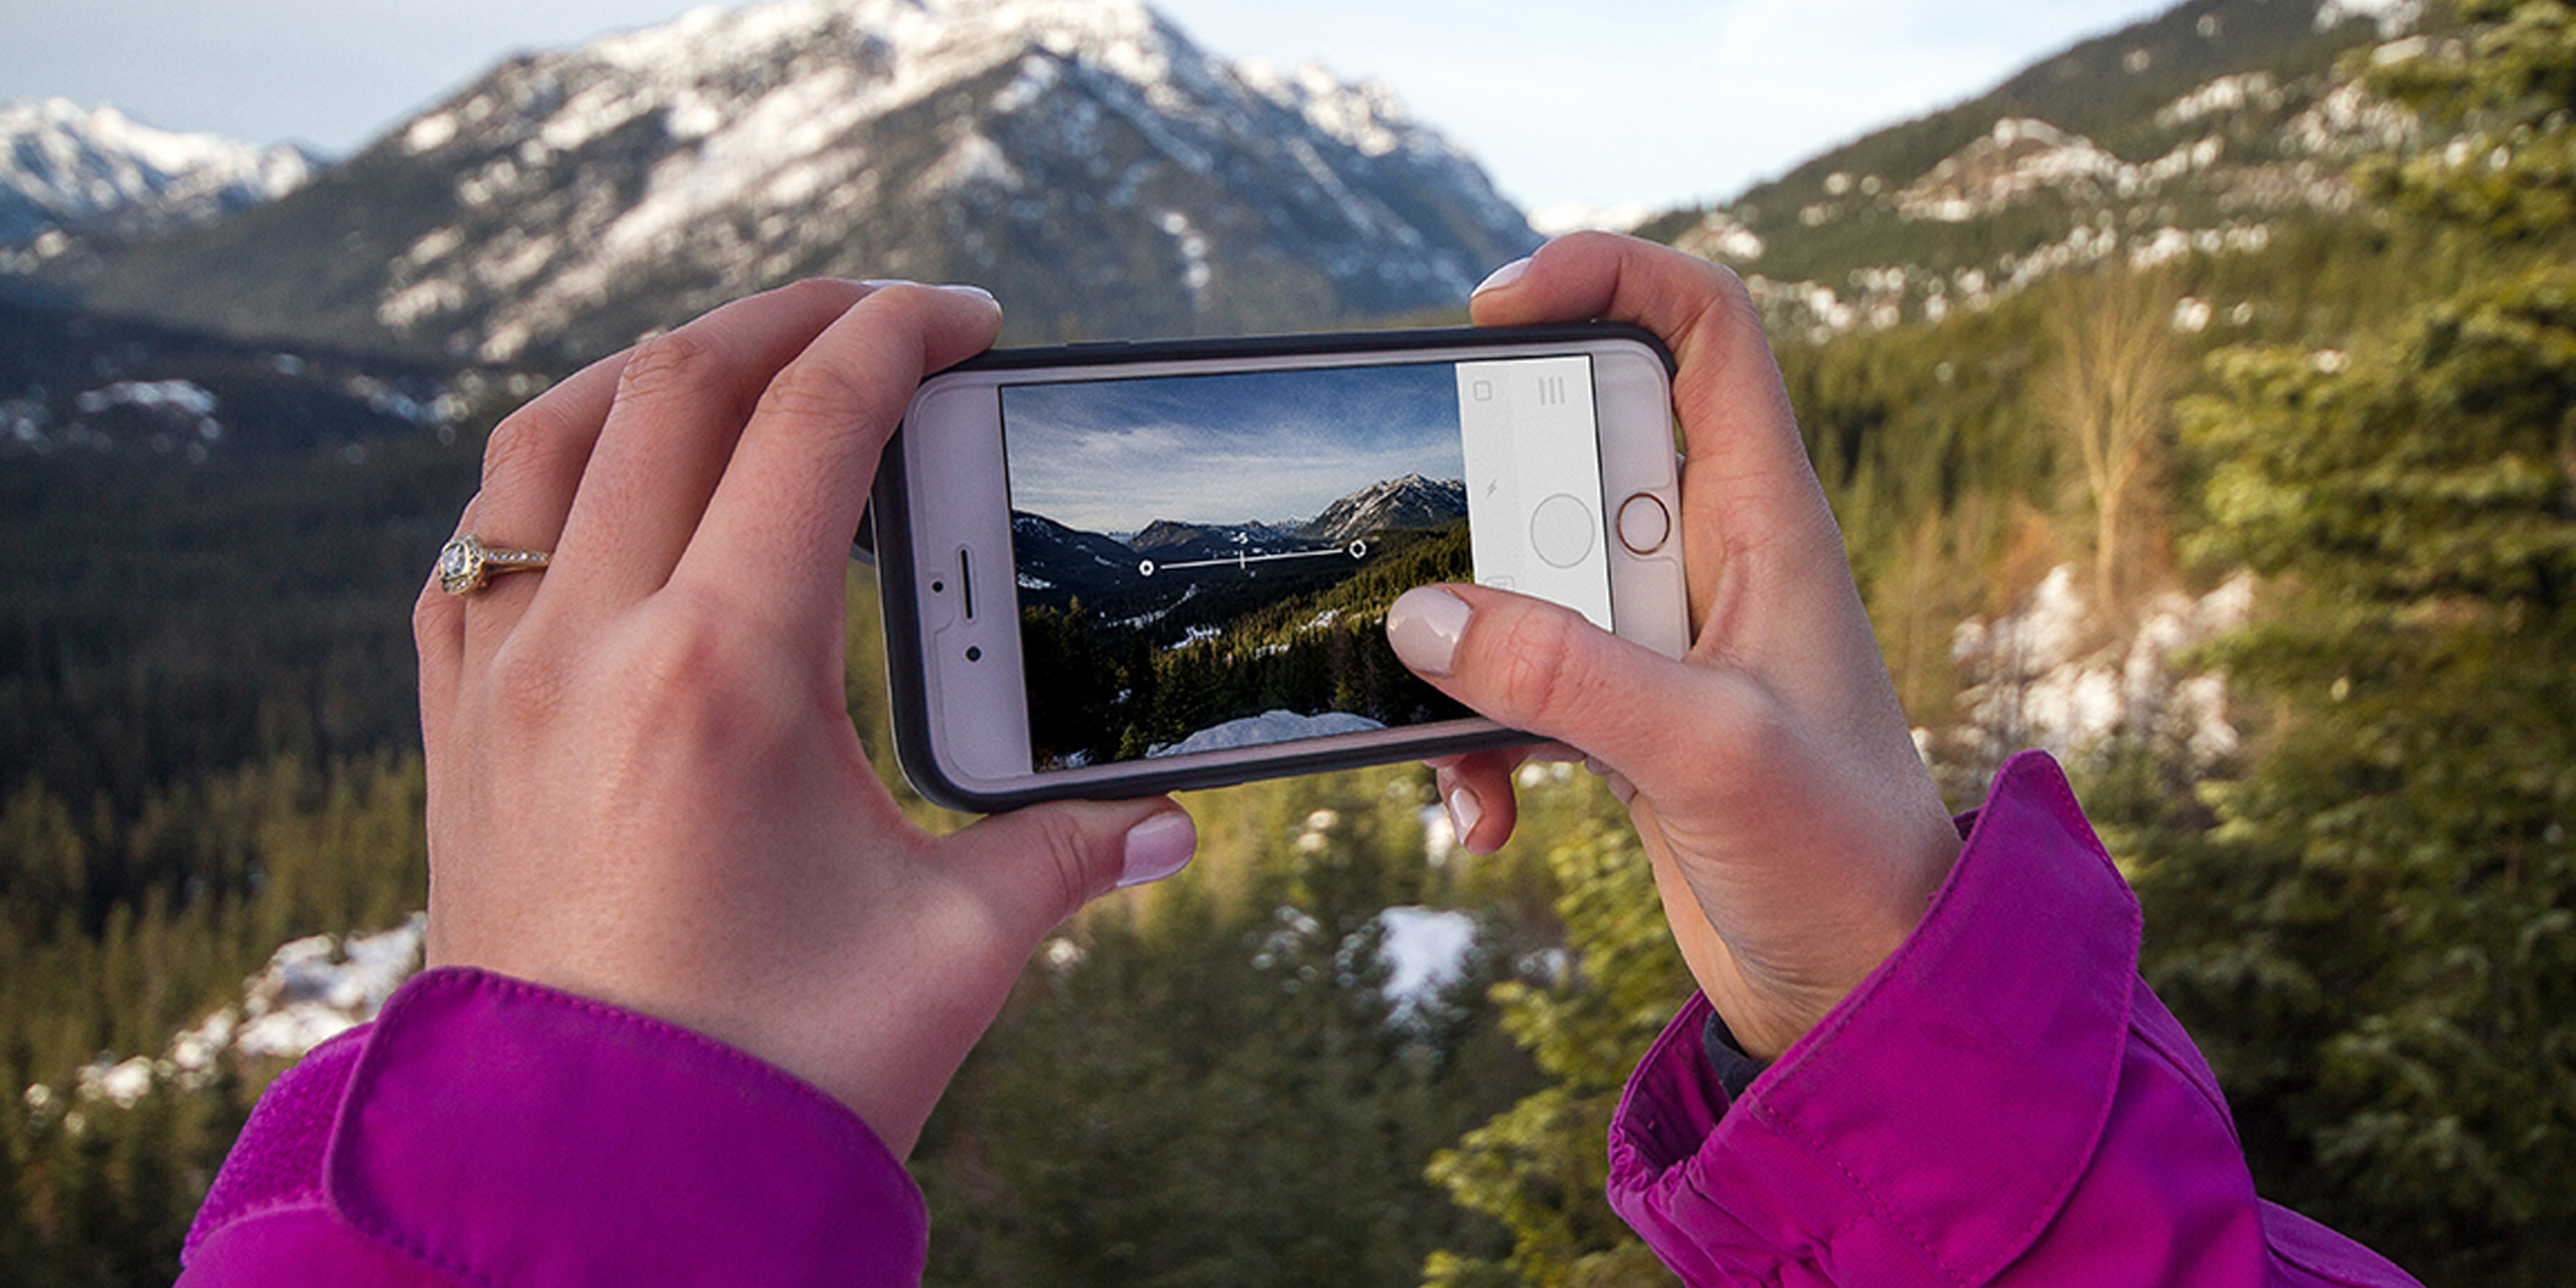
(485,1131)
(2003,1102)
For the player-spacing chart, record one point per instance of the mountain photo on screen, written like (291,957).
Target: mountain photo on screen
(1205,562)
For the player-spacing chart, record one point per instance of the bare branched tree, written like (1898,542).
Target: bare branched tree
(2110,389)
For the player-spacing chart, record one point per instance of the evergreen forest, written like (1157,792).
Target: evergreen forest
(1102,691)
(2361,901)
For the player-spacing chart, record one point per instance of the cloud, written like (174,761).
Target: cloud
(1114,455)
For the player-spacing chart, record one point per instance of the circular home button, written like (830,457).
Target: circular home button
(1561,530)
(1644,523)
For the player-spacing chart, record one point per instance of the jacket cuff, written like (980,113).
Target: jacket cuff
(502,1132)
(1943,1112)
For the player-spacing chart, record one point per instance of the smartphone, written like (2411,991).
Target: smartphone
(1121,569)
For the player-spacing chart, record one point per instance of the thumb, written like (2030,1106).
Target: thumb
(1033,868)
(1546,670)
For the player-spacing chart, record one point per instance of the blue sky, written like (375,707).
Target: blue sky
(1659,102)
(1115,455)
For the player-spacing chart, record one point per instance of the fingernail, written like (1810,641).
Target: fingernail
(1424,625)
(1157,848)
(880,283)
(1464,812)
(1504,276)
(974,293)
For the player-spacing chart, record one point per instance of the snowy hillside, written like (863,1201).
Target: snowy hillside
(2210,129)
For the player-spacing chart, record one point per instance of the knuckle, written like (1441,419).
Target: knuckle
(1729,283)
(523,442)
(824,391)
(671,366)
(1537,656)
(1061,839)
(432,613)
(817,292)
(527,685)
(703,671)
(691,643)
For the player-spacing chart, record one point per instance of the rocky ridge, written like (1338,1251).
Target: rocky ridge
(1083,158)
(2207,130)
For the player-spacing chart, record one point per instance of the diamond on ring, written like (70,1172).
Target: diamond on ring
(466,565)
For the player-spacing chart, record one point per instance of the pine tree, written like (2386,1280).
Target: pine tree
(1539,1167)
(2393,1001)
(1208,1083)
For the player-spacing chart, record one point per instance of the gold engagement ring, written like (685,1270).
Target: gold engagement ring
(465,565)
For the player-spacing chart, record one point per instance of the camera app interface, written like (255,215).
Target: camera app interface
(1206,562)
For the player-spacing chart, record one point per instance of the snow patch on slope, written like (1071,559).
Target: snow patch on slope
(312,990)
(1266,728)
(2050,675)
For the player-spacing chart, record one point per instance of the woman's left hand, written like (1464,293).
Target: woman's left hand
(644,786)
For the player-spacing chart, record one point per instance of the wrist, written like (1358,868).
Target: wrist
(1771,1001)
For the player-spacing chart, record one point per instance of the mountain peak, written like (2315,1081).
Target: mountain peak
(79,169)
(1082,158)
(1408,502)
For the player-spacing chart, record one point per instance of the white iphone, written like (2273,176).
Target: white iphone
(1115,570)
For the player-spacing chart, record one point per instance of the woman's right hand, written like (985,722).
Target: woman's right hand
(1797,837)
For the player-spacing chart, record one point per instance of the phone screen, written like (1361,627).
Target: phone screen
(1205,562)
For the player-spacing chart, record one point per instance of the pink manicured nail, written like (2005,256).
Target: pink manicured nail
(1464,812)
(1504,276)
(1424,625)
(1157,848)
(971,292)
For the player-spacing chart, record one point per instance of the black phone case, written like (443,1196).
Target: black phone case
(885,540)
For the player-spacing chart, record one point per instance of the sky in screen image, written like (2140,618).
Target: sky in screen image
(1115,455)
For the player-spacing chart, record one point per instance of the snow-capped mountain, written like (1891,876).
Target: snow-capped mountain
(1168,539)
(1409,502)
(1083,158)
(63,166)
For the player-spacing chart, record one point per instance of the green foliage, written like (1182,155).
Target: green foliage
(104,1194)
(205,689)
(175,608)
(1540,1167)
(1207,1083)
(2406,826)
(1118,692)
(2366,923)
(115,933)
(2510,176)
(2370,929)
(2431,475)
